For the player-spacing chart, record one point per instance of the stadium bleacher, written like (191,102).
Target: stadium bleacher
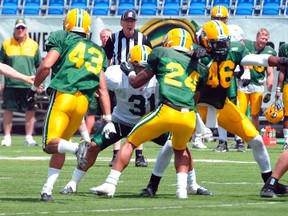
(143,7)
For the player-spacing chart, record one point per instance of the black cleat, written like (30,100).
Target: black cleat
(141,161)
(281,189)
(148,192)
(267,192)
(46,198)
(222,147)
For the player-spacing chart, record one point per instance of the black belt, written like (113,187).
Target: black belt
(178,108)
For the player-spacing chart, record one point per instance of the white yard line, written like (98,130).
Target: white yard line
(142,209)
(27,158)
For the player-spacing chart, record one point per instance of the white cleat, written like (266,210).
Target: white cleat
(69,189)
(6,142)
(181,193)
(197,143)
(105,189)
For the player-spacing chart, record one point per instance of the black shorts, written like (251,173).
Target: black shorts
(14,99)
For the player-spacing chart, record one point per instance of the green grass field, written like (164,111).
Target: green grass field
(233,177)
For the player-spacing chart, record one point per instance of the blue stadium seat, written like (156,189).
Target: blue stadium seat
(197,7)
(32,7)
(271,7)
(101,7)
(148,7)
(226,3)
(56,7)
(171,7)
(244,7)
(10,7)
(83,4)
(124,5)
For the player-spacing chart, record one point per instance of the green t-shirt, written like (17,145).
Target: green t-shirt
(79,65)
(24,58)
(220,75)
(258,72)
(177,74)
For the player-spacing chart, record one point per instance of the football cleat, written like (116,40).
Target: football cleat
(46,198)
(81,153)
(70,188)
(222,147)
(267,192)
(141,161)
(106,189)
(198,191)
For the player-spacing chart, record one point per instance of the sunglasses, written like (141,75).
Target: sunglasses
(21,27)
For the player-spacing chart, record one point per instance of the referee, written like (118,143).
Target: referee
(117,49)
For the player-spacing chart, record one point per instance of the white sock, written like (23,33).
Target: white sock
(285,133)
(163,159)
(260,154)
(191,179)
(29,137)
(7,136)
(222,133)
(85,136)
(113,177)
(67,146)
(77,175)
(51,179)
(181,180)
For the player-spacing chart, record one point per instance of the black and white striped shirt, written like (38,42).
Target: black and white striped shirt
(118,46)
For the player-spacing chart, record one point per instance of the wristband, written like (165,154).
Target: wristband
(132,73)
(29,80)
(107,118)
(34,88)
(278,89)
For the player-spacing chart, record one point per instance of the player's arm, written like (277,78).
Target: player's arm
(8,71)
(141,78)
(264,60)
(269,78)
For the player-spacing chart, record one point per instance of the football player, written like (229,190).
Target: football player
(178,77)
(78,67)
(132,104)
(225,55)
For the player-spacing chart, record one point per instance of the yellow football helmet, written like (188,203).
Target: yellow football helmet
(139,55)
(275,112)
(178,39)
(215,38)
(220,12)
(77,20)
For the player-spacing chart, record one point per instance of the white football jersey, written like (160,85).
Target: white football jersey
(132,103)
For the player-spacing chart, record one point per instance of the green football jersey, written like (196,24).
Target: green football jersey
(220,75)
(79,65)
(258,72)
(178,75)
(283,52)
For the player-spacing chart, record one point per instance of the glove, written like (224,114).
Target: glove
(109,130)
(267,97)
(31,96)
(199,52)
(246,77)
(127,67)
